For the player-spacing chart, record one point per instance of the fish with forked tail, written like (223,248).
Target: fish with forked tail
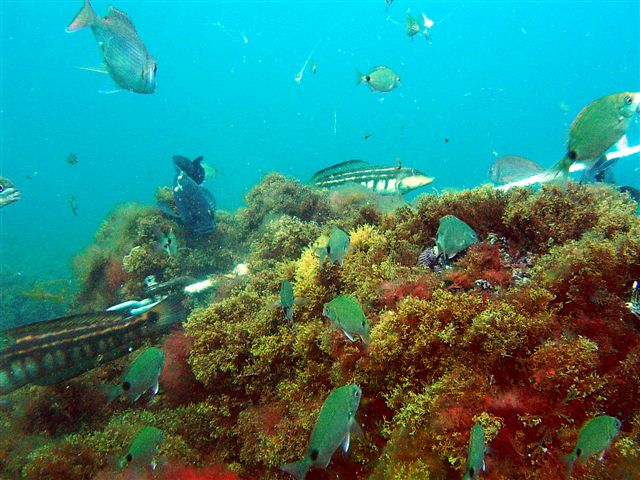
(52,351)
(125,57)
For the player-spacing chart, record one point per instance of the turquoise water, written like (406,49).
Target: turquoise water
(499,78)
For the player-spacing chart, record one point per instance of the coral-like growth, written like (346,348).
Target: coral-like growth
(526,334)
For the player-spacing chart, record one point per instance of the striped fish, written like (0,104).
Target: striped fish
(50,352)
(396,180)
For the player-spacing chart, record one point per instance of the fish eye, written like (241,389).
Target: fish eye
(129,457)
(628,100)
(126,386)
(1,188)
(356,393)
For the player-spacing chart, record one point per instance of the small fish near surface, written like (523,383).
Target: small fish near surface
(454,236)
(512,168)
(475,457)
(52,351)
(336,247)
(143,449)
(72,159)
(195,204)
(413,27)
(380,79)
(383,180)
(8,192)
(141,376)
(594,438)
(193,168)
(346,313)
(125,57)
(333,428)
(596,129)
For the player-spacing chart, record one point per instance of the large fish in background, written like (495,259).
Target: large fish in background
(125,57)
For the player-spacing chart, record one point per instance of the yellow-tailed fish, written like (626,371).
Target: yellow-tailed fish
(475,457)
(49,352)
(594,438)
(346,313)
(143,449)
(380,79)
(596,129)
(125,57)
(141,376)
(333,429)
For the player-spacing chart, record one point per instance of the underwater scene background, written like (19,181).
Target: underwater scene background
(530,332)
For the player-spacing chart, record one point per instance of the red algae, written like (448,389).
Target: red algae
(187,472)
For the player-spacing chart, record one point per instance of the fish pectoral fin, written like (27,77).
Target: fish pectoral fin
(346,442)
(357,430)
(95,69)
(349,336)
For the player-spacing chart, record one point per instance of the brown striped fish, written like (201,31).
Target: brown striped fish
(52,351)
(395,180)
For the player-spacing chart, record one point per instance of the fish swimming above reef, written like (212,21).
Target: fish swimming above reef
(346,313)
(195,204)
(511,168)
(124,55)
(336,247)
(193,168)
(167,243)
(413,27)
(454,236)
(596,128)
(52,351)
(475,458)
(384,180)
(144,447)
(141,376)
(8,192)
(594,438)
(333,428)
(380,79)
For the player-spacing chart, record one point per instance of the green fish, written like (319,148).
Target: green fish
(346,313)
(413,27)
(143,449)
(594,438)
(8,192)
(333,429)
(287,299)
(596,129)
(125,57)
(336,247)
(141,376)
(381,79)
(383,180)
(475,458)
(634,302)
(52,351)
(454,236)
(168,243)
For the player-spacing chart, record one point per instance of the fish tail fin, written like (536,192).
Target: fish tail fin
(297,469)
(558,173)
(85,18)
(360,78)
(109,392)
(569,460)
(167,312)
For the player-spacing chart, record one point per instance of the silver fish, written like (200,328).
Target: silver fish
(8,192)
(125,57)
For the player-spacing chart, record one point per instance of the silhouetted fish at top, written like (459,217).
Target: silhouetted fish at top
(193,168)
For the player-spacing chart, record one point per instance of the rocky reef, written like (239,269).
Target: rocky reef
(526,334)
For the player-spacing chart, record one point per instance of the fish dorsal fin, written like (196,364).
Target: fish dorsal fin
(119,17)
(348,166)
